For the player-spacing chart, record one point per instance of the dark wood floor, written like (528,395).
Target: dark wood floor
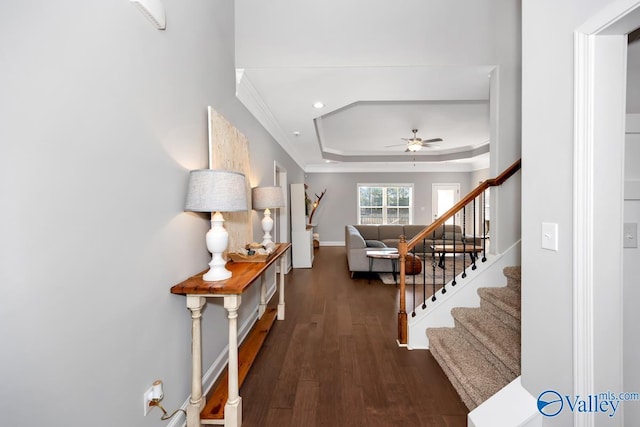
(334,360)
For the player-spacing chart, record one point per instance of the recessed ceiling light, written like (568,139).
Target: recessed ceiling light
(296,133)
(318,105)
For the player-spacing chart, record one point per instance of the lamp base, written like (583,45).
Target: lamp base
(267,226)
(217,241)
(215,274)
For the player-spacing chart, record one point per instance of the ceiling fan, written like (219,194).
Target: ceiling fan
(415,144)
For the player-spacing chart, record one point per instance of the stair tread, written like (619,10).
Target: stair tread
(505,298)
(513,275)
(492,333)
(477,376)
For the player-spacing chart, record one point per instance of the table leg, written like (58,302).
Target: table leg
(441,261)
(262,307)
(233,408)
(281,296)
(196,401)
(394,263)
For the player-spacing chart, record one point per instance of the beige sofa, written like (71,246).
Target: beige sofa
(362,238)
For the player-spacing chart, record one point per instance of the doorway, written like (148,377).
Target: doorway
(443,197)
(281,221)
(600,85)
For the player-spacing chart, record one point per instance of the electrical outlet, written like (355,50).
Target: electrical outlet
(147,399)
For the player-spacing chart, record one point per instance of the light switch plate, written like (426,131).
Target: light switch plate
(549,236)
(630,235)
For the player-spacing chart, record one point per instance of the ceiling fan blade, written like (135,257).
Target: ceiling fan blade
(395,145)
(432,140)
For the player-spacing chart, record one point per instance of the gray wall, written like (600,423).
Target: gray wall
(339,206)
(101,118)
(547,186)
(633,82)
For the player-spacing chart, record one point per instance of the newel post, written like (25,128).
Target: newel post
(402,310)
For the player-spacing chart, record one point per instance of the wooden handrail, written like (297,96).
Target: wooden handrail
(463,202)
(404,246)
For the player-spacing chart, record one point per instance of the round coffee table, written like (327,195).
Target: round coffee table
(390,254)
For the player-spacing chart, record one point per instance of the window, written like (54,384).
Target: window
(385,203)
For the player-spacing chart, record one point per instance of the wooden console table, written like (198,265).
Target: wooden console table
(196,291)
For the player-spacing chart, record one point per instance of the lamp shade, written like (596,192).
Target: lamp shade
(216,191)
(267,197)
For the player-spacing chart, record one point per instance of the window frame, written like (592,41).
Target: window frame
(384,205)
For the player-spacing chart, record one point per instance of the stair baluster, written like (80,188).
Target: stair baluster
(413,284)
(424,276)
(434,263)
(453,282)
(473,257)
(484,225)
(405,247)
(464,239)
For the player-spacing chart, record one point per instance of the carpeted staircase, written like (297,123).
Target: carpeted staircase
(481,354)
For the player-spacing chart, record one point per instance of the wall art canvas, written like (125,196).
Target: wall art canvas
(229,150)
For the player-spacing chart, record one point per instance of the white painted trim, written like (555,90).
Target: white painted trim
(249,96)
(599,113)
(583,364)
(481,162)
(620,17)
(512,406)
(332,243)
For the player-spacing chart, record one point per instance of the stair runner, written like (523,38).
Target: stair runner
(481,353)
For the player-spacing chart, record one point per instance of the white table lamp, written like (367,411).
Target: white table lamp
(267,198)
(216,191)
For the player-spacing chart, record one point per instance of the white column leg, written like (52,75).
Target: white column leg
(233,408)
(262,307)
(196,401)
(283,261)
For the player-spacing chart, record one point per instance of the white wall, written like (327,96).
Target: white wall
(101,117)
(505,127)
(547,152)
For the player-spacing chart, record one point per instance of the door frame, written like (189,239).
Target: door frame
(282,219)
(600,49)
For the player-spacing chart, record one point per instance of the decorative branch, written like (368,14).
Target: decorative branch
(316,204)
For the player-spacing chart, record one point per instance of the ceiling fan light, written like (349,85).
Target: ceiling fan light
(414,147)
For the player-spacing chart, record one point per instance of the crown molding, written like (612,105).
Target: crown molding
(249,96)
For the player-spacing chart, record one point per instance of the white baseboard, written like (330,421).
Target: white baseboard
(332,243)
(512,406)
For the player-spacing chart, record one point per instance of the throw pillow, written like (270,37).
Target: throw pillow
(375,244)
